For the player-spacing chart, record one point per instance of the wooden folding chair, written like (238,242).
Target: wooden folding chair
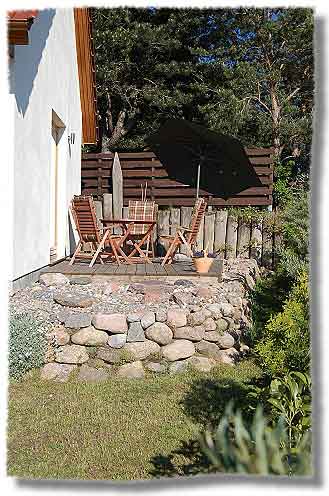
(186,235)
(84,215)
(142,210)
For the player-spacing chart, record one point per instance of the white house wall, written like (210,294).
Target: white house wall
(44,78)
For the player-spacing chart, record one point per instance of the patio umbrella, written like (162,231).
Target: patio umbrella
(202,158)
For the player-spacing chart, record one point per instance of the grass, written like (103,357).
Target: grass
(115,430)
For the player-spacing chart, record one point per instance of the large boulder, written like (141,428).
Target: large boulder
(54,279)
(117,340)
(140,351)
(212,336)
(147,319)
(197,318)
(209,324)
(226,341)
(59,336)
(80,280)
(202,364)
(160,333)
(159,368)
(176,318)
(215,310)
(89,336)
(133,370)
(210,350)
(222,325)
(71,354)
(90,374)
(77,320)
(226,309)
(161,315)
(178,349)
(178,367)
(58,372)
(191,333)
(111,322)
(74,301)
(135,316)
(135,332)
(111,355)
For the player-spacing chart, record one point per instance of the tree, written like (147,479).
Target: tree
(266,86)
(246,72)
(145,66)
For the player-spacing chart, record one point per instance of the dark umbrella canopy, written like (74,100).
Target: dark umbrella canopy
(184,148)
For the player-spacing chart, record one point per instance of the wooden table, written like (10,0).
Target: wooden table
(117,240)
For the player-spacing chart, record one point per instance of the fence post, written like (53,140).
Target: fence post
(220,231)
(117,189)
(244,231)
(231,236)
(209,230)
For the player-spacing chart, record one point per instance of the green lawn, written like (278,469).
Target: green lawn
(121,429)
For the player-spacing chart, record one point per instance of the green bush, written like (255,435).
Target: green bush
(285,342)
(27,344)
(259,448)
(288,397)
(293,253)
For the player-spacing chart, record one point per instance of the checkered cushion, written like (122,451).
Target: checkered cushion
(141,210)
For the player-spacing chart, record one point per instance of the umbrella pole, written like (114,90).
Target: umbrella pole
(198,182)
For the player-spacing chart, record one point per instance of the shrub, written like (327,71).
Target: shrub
(285,343)
(236,447)
(293,253)
(27,344)
(288,397)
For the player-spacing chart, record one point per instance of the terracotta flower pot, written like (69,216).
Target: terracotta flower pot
(202,264)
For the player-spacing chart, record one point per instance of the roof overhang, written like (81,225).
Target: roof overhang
(87,80)
(19,23)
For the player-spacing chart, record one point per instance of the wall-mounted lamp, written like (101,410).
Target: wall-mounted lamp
(71,138)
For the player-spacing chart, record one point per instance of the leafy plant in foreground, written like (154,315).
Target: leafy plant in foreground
(290,398)
(236,447)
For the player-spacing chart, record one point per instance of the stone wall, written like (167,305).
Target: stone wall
(175,325)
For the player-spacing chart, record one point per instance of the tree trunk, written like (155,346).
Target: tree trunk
(276,120)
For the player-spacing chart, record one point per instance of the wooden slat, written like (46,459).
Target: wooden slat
(209,231)
(267,246)
(231,236)
(174,220)
(191,192)
(256,241)
(220,231)
(243,242)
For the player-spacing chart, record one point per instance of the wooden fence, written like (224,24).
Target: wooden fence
(222,230)
(143,167)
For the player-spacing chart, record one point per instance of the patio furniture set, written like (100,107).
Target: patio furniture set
(129,241)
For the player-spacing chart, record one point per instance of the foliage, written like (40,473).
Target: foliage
(285,340)
(267,299)
(290,398)
(237,447)
(294,251)
(27,344)
(246,72)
